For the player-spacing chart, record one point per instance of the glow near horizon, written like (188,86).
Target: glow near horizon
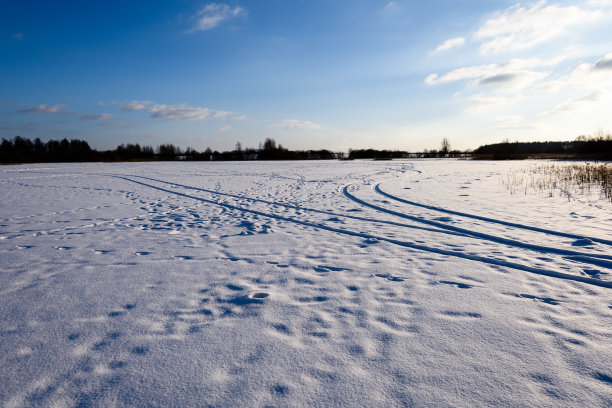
(318,74)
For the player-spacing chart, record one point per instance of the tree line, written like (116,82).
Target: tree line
(596,147)
(22,150)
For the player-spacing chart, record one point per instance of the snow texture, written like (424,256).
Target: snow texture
(361,283)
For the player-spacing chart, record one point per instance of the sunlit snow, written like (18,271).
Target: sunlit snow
(357,283)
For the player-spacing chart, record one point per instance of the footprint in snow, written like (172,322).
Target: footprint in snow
(183,257)
(453,313)
(594,273)
(253,298)
(582,242)
(547,300)
(456,284)
(389,277)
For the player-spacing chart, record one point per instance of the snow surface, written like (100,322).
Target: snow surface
(363,283)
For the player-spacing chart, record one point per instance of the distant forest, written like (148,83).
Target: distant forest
(598,147)
(22,150)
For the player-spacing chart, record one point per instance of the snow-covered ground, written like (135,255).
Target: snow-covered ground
(365,283)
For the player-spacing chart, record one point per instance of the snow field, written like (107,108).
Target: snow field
(359,283)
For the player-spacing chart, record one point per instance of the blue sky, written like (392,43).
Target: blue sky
(311,74)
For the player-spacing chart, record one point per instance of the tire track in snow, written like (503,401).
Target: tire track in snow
(489,261)
(300,208)
(491,220)
(593,259)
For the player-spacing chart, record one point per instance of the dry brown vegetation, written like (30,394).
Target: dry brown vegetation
(590,180)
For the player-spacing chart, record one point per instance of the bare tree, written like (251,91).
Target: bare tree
(445,146)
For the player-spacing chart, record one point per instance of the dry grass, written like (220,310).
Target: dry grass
(590,180)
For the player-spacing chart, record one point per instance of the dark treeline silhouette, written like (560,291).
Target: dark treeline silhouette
(598,147)
(400,154)
(445,151)
(21,150)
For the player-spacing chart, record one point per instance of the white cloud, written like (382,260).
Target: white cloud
(600,3)
(17,37)
(391,7)
(480,102)
(514,74)
(604,64)
(184,112)
(295,124)
(594,76)
(214,14)
(136,105)
(173,112)
(450,43)
(511,122)
(44,108)
(520,27)
(224,128)
(574,104)
(64,109)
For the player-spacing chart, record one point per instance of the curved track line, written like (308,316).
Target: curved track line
(594,259)
(491,220)
(296,207)
(490,261)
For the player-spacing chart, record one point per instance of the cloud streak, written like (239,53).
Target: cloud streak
(64,109)
(215,14)
(101,116)
(518,28)
(174,112)
(516,73)
(44,108)
(294,124)
(573,104)
(450,43)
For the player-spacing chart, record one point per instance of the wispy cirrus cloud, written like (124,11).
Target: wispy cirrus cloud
(450,43)
(173,112)
(184,112)
(215,14)
(511,122)
(295,124)
(480,102)
(516,73)
(101,116)
(17,37)
(594,76)
(64,109)
(573,104)
(391,7)
(135,105)
(522,27)
(44,108)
